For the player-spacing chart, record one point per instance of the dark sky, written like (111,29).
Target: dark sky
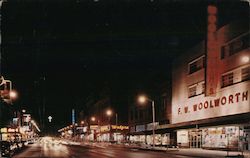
(85,46)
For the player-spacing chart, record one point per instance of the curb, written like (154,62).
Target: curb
(155,150)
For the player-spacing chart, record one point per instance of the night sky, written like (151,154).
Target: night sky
(87,47)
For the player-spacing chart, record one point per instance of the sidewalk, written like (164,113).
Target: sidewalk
(194,152)
(210,153)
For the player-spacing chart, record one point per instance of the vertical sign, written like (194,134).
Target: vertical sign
(212,54)
(50,118)
(73,116)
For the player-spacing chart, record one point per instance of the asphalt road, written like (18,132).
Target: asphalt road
(45,150)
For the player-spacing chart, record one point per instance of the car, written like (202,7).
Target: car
(6,149)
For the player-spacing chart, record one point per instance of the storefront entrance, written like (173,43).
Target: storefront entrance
(195,138)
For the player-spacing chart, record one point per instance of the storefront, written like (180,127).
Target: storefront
(109,133)
(232,137)
(143,135)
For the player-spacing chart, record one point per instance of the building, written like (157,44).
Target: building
(112,133)
(140,119)
(210,91)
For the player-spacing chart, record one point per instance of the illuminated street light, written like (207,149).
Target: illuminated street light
(23,111)
(93,119)
(109,112)
(13,94)
(245,59)
(82,122)
(142,99)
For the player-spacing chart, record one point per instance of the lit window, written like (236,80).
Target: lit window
(227,80)
(245,74)
(197,65)
(192,91)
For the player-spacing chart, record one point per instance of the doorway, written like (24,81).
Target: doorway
(195,138)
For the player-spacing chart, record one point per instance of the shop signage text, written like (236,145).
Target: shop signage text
(94,127)
(9,130)
(119,127)
(222,101)
(105,128)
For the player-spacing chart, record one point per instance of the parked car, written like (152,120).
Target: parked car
(6,150)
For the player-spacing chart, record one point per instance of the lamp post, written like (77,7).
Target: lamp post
(109,114)
(142,99)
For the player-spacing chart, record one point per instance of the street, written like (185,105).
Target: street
(45,150)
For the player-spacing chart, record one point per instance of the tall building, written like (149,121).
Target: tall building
(210,91)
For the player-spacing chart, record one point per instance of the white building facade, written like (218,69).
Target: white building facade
(220,119)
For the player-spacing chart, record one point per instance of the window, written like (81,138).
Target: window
(196,89)
(227,79)
(235,46)
(245,74)
(203,88)
(197,65)
(192,91)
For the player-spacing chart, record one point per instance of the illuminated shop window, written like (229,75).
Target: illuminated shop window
(227,80)
(197,65)
(245,74)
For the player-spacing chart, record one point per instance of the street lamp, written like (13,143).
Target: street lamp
(142,99)
(245,59)
(13,94)
(82,122)
(93,118)
(109,112)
